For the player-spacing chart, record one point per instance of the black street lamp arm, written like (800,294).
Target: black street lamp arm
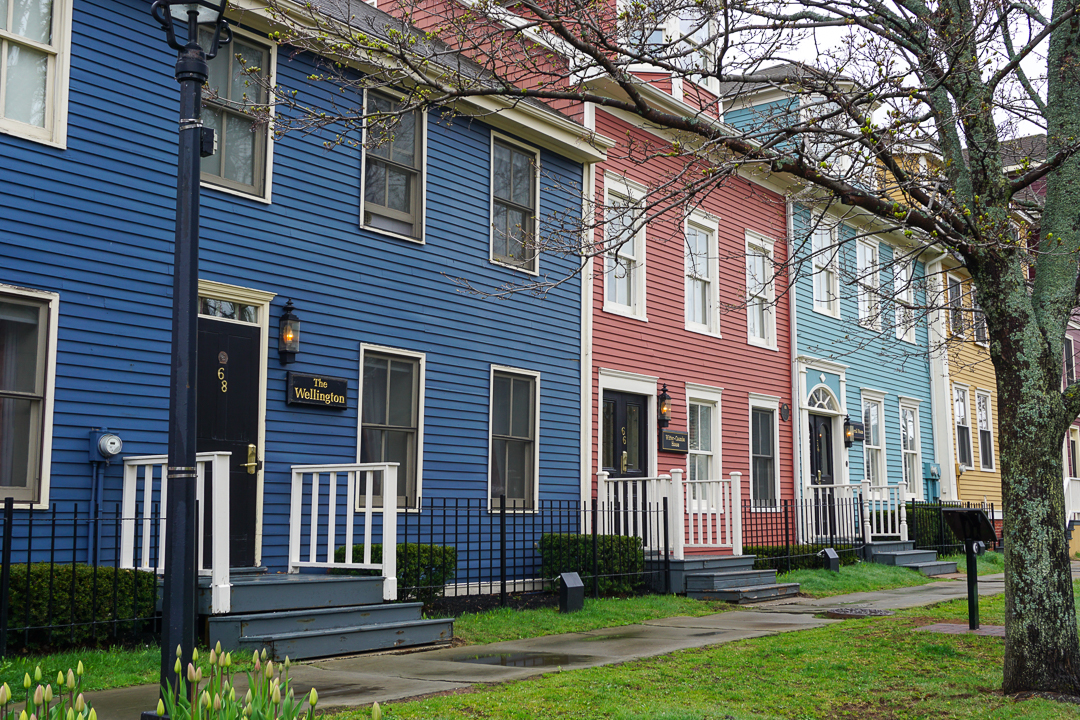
(222,29)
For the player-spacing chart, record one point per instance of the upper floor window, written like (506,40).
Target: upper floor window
(760,319)
(984,417)
(1074,448)
(624,256)
(33,68)
(237,83)
(826,286)
(24,375)
(978,323)
(955,299)
(867,279)
(962,418)
(702,294)
(1070,362)
(904,300)
(514,183)
(393,168)
(390,415)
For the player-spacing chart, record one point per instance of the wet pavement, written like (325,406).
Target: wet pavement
(361,680)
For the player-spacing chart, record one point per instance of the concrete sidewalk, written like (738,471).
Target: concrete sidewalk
(361,680)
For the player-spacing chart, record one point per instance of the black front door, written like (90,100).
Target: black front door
(624,452)
(821,450)
(228,420)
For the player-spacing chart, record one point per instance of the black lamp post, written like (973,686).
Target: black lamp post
(181,535)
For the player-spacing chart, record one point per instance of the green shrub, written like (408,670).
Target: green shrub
(804,557)
(93,620)
(422,570)
(620,561)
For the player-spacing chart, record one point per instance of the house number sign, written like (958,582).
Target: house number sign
(321,390)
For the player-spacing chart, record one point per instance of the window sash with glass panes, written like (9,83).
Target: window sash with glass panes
(23,335)
(700,286)
(963,426)
(700,463)
(872,434)
(978,321)
(869,304)
(513,439)
(909,445)
(758,293)
(392,168)
(29,55)
(904,292)
(228,310)
(389,419)
(513,189)
(235,86)
(621,259)
(762,458)
(825,278)
(984,419)
(956,306)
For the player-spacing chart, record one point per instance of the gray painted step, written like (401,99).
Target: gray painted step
(931,569)
(351,640)
(905,557)
(705,564)
(887,546)
(720,581)
(747,595)
(230,629)
(269,593)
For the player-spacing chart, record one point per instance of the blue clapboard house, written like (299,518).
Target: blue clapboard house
(401,369)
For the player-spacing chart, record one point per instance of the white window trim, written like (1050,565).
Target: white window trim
(260,299)
(875,396)
(765,245)
(422,125)
(54,134)
(1069,352)
(500,137)
(763,402)
(492,505)
(710,224)
(913,405)
(52,301)
(829,262)
(904,289)
(636,193)
(867,284)
(949,308)
(711,396)
(268,171)
(636,384)
(990,420)
(1074,436)
(421,359)
(955,425)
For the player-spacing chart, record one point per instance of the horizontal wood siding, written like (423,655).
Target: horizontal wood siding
(95,224)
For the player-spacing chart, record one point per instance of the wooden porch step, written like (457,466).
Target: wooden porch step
(277,592)
(351,640)
(905,557)
(723,580)
(930,569)
(747,595)
(698,564)
(887,546)
(230,630)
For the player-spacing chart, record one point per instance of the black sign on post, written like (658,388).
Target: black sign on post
(321,390)
(973,526)
(675,441)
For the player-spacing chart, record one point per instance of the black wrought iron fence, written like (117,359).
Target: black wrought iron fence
(929,530)
(63,582)
(788,535)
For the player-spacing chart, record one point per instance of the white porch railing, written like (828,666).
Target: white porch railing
(702,514)
(145,491)
(326,495)
(884,511)
(1072,499)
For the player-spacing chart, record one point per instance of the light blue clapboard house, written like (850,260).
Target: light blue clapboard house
(398,371)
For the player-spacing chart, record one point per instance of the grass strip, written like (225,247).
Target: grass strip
(861,577)
(990,563)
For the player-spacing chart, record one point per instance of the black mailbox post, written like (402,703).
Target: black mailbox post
(973,526)
(831,559)
(571,593)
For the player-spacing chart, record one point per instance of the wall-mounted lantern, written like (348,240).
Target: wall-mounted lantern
(664,417)
(849,432)
(289,337)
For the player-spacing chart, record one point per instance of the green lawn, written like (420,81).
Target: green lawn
(989,563)
(878,669)
(861,577)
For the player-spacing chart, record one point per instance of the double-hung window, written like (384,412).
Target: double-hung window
(701,460)
(909,446)
(513,439)
(867,280)
(760,322)
(624,255)
(390,418)
(985,419)
(955,299)
(393,168)
(904,300)
(826,286)
(1070,362)
(702,295)
(978,322)
(237,84)
(962,417)
(873,454)
(514,183)
(763,460)
(1074,448)
(24,383)
(33,67)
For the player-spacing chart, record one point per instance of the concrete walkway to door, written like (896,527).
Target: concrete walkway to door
(361,680)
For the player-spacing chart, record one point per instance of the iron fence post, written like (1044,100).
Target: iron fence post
(667,551)
(502,550)
(595,567)
(5,572)
(787,534)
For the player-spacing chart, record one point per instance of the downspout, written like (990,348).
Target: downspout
(940,404)
(588,195)
(793,341)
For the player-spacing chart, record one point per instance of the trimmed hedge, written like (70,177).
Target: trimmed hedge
(423,571)
(620,561)
(93,621)
(804,557)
